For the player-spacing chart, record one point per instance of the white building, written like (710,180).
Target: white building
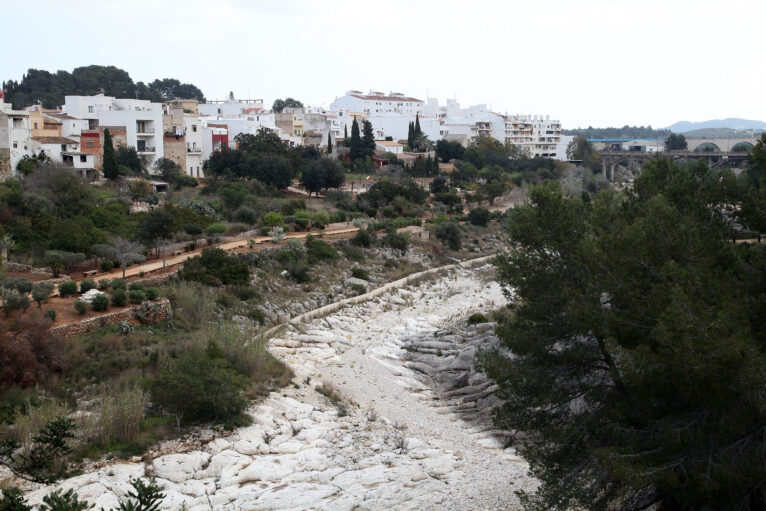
(15,138)
(142,120)
(378,103)
(231,108)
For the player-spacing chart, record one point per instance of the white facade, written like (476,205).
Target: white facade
(230,108)
(15,134)
(396,126)
(54,147)
(142,120)
(193,136)
(379,103)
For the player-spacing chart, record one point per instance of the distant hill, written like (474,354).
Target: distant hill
(733,123)
(49,88)
(624,132)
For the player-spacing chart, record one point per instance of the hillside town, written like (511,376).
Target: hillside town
(188,132)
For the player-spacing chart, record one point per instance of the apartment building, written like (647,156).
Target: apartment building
(15,137)
(378,103)
(182,135)
(141,119)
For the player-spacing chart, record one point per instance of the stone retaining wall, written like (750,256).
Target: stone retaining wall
(104,320)
(336,306)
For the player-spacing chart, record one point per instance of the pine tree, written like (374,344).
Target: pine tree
(329,143)
(110,159)
(368,139)
(355,147)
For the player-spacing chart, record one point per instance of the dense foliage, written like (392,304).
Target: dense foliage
(636,330)
(50,88)
(624,132)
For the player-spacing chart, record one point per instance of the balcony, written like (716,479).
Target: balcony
(146,150)
(193,149)
(145,132)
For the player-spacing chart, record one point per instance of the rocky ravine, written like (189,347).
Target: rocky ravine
(402,443)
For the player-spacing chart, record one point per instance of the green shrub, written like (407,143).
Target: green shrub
(103,284)
(50,314)
(246,215)
(215,267)
(136,296)
(136,286)
(107,266)
(100,302)
(216,228)
(301,223)
(353,253)
(358,289)
(479,216)
(273,218)
(68,288)
(362,239)
(81,307)
(86,285)
(244,293)
(298,271)
(24,286)
(395,240)
(119,297)
(118,284)
(151,293)
(265,229)
(476,318)
(319,219)
(449,233)
(360,273)
(184,388)
(318,250)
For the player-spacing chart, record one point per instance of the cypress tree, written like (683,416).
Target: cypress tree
(355,147)
(110,159)
(329,143)
(417,129)
(410,135)
(345,134)
(368,139)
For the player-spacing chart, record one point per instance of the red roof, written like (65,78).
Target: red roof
(386,98)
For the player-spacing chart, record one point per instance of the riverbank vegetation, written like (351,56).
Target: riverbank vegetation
(636,330)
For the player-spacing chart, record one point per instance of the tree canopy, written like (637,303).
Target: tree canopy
(279,105)
(50,88)
(636,333)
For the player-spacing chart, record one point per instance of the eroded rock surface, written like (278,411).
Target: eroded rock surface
(413,432)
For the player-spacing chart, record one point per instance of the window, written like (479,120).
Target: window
(194,128)
(83,158)
(15,145)
(90,109)
(90,144)
(63,147)
(35,125)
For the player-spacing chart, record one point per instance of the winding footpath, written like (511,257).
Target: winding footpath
(395,442)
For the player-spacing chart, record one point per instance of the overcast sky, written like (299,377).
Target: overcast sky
(600,63)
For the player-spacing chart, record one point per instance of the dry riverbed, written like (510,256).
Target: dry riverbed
(398,437)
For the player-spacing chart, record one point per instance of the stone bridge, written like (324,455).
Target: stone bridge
(634,159)
(721,144)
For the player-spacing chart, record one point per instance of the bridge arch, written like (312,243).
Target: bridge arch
(707,147)
(742,147)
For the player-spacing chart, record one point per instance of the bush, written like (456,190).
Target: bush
(273,218)
(116,284)
(81,307)
(362,239)
(136,286)
(86,285)
(265,229)
(68,288)
(360,273)
(24,286)
(301,223)
(475,319)
(319,219)
(358,289)
(136,296)
(100,302)
(479,216)
(246,215)
(449,233)
(298,271)
(184,388)
(50,314)
(119,297)
(103,284)
(353,253)
(107,266)
(216,228)
(215,267)
(318,250)
(151,293)
(396,240)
